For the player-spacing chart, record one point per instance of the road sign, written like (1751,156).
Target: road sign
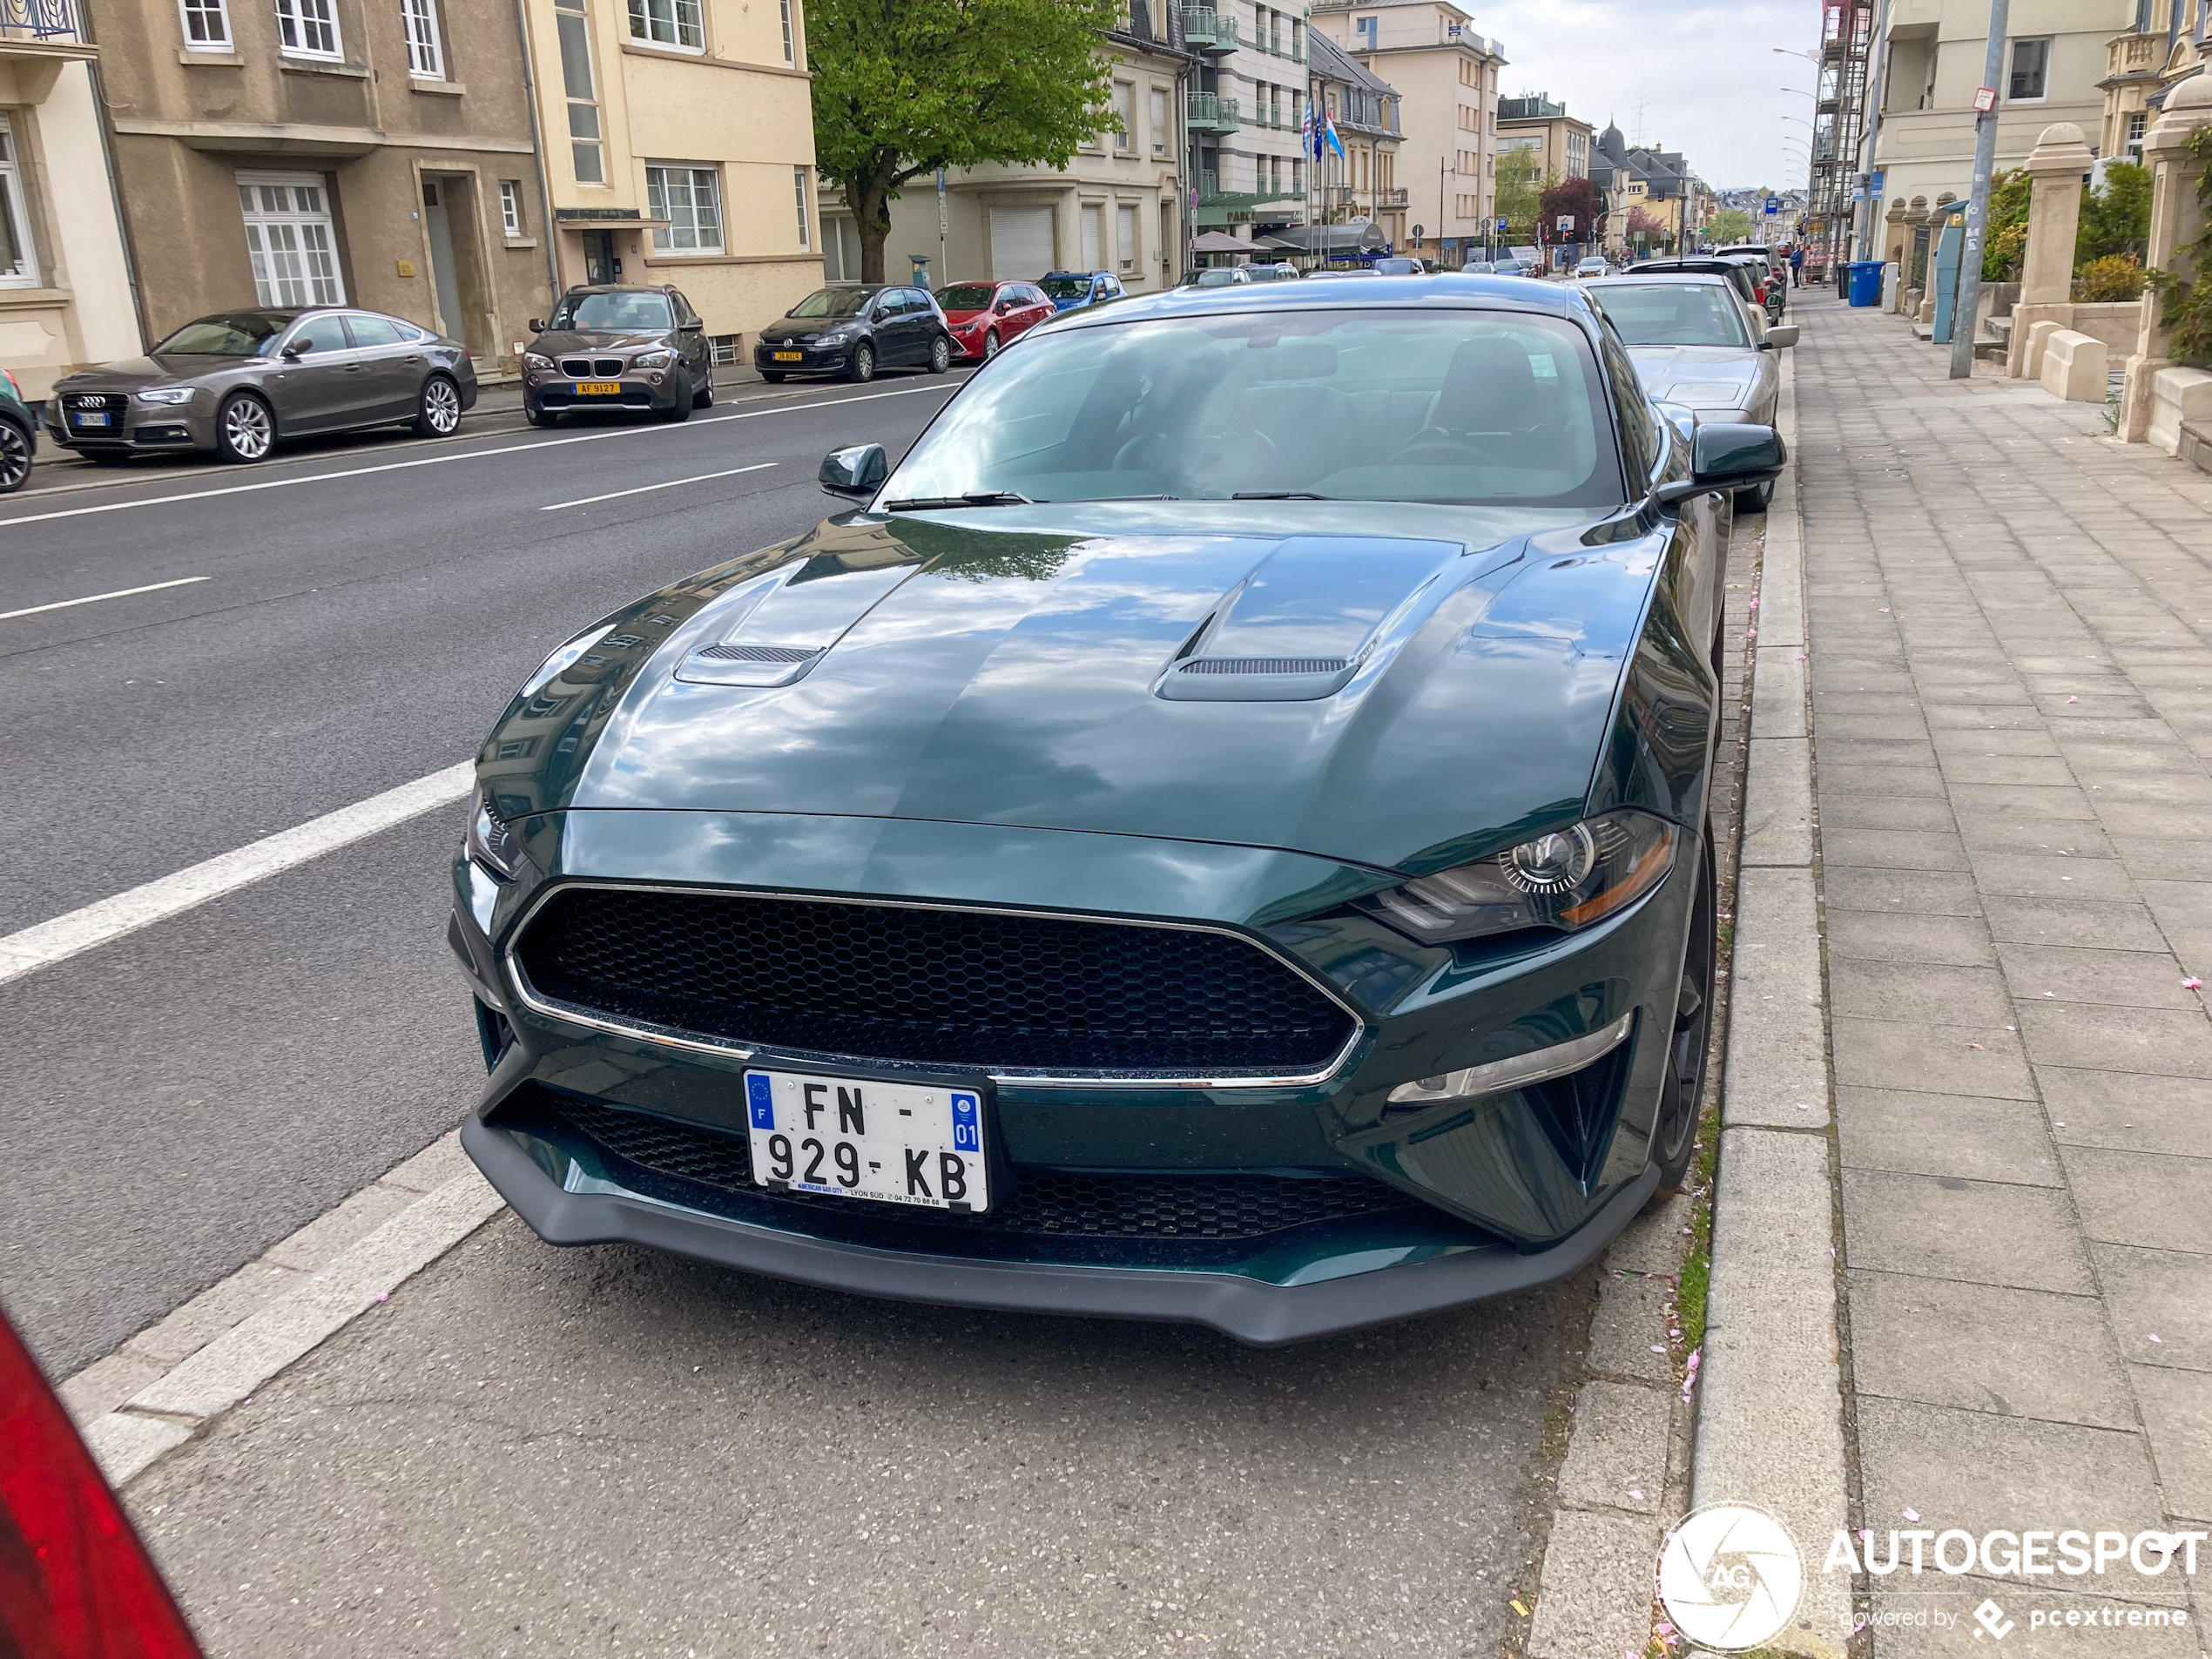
(1501,224)
(1874,183)
(1566,226)
(1416,233)
(1773,206)
(1985,100)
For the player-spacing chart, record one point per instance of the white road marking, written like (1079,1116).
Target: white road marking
(474,454)
(94,598)
(616,494)
(65,936)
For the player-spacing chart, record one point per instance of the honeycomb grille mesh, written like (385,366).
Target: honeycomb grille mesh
(933,986)
(1039,1202)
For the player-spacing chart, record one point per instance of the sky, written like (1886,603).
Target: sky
(1705,75)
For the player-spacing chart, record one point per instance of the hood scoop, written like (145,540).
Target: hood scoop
(776,630)
(1306,620)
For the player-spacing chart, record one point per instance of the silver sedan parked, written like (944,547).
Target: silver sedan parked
(1694,344)
(238,382)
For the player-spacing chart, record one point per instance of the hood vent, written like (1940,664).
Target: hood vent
(758,665)
(760,653)
(1256,679)
(1267,666)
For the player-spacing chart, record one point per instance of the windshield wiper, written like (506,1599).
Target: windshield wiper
(974,498)
(1281,494)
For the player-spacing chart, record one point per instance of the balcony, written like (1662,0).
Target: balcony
(1210,113)
(2135,57)
(52,22)
(1208,30)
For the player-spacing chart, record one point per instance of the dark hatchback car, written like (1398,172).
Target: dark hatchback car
(854,328)
(640,349)
(1219,832)
(18,435)
(238,382)
(1743,271)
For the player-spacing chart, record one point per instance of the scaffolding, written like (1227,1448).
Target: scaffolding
(1840,129)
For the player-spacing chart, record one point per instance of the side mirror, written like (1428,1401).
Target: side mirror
(293,353)
(1727,455)
(858,470)
(1780,335)
(537,325)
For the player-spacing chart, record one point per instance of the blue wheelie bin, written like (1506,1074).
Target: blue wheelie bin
(1866,282)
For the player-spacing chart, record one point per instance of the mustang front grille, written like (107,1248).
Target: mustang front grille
(999,993)
(1050,1202)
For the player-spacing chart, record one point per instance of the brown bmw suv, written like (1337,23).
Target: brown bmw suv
(618,349)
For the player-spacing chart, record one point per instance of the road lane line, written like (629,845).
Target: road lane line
(94,598)
(616,494)
(474,454)
(65,936)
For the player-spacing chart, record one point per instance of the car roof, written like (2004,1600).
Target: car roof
(1450,288)
(1635,277)
(1048,275)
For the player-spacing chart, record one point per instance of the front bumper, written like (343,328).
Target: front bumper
(812,359)
(133,428)
(641,390)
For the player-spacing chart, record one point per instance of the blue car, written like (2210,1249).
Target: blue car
(18,435)
(1073,290)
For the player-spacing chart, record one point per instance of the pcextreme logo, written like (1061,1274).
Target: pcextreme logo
(1730,1576)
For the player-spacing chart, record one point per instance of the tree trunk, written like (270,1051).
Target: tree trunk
(869,195)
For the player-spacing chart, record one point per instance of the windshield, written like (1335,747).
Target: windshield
(1357,405)
(968,296)
(614,313)
(1674,313)
(234,333)
(1214,280)
(832,302)
(1067,287)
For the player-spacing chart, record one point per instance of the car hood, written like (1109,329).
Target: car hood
(1404,699)
(129,373)
(555,341)
(800,328)
(962,319)
(1708,375)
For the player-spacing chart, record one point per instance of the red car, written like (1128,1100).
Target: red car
(986,316)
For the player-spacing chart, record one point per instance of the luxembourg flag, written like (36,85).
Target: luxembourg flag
(1329,131)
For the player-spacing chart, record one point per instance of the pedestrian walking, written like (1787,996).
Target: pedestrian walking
(1796,267)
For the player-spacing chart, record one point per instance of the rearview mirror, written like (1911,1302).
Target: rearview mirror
(858,470)
(1780,335)
(295,352)
(537,325)
(1733,455)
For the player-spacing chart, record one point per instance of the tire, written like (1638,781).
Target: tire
(703,398)
(773,376)
(992,345)
(862,368)
(15,458)
(680,409)
(437,410)
(940,354)
(245,429)
(1755,499)
(538,414)
(1681,1095)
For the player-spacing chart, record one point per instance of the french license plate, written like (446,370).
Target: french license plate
(598,388)
(90,420)
(907,1144)
(788,356)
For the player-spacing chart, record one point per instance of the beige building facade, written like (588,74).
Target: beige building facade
(1561,142)
(679,148)
(2166,43)
(66,295)
(1445,74)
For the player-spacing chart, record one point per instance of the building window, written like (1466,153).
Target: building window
(1363,34)
(587,155)
(1125,113)
(1125,236)
(790,43)
(511,207)
(289,239)
(1160,131)
(2030,69)
(668,23)
(690,199)
(426,58)
(19,265)
(207,25)
(799,190)
(1094,228)
(1298,178)
(308,28)
(2137,120)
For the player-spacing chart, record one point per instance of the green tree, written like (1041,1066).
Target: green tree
(2115,220)
(2004,242)
(1730,225)
(902,90)
(1521,183)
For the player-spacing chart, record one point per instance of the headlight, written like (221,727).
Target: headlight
(653,360)
(490,842)
(531,360)
(835,337)
(166,394)
(1563,881)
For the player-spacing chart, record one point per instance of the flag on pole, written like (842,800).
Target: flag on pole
(1329,131)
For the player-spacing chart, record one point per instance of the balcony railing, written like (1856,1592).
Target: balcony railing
(54,20)
(2136,54)
(1209,29)
(1212,112)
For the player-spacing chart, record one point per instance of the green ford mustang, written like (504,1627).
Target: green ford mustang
(1219,834)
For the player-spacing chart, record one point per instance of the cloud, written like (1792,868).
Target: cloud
(1705,76)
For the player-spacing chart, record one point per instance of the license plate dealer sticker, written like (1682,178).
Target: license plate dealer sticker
(90,420)
(598,388)
(789,356)
(907,1144)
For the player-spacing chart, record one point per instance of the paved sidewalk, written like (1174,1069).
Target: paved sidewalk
(2009,621)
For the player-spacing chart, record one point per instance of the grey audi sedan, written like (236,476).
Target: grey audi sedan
(238,382)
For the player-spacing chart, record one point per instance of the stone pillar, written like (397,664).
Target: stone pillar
(2175,220)
(2054,219)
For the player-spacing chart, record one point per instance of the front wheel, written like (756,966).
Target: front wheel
(1755,499)
(992,347)
(1681,1095)
(940,354)
(15,458)
(680,407)
(538,414)
(863,366)
(437,413)
(245,431)
(703,398)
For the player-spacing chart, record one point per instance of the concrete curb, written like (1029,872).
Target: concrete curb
(1770,1410)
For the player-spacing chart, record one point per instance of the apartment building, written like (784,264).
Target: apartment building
(1362,183)
(1447,78)
(371,152)
(65,295)
(1561,144)
(2167,42)
(679,148)
(1118,205)
(1247,111)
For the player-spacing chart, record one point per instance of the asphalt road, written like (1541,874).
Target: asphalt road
(180,1099)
